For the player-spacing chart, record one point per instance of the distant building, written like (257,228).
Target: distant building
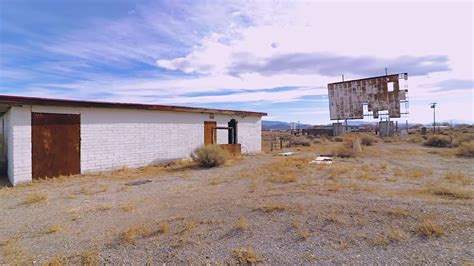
(293,125)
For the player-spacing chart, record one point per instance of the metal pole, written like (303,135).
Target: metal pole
(433,105)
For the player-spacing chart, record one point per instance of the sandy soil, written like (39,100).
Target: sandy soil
(395,203)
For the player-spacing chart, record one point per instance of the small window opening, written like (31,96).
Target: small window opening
(390,86)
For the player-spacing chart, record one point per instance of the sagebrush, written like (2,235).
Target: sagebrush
(437,141)
(210,156)
(367,140)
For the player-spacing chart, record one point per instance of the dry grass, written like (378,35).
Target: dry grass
(397,212)
(396,234)
(366,175)
(391,234)
(129,235)
(163,227)
(216,181)
(457,177)
(128,207)
(302,232)
(343,244)
(309,257)
(55,228)
(246,255)
(34,198)
(367,140)
(344,152)
(333,217)
(466,149)
(103,207)
(417,172)
(429,228)
(89,258)
(283,170)
(86,191)
(134,232)
(283,178)
(188,226)
(57,261)
(14,253)
(242,224)
(272,207)
(447,190)
(337,170)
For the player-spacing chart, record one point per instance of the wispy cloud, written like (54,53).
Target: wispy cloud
(333,65)
(452,85)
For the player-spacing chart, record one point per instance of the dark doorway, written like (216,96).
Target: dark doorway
(209,132)
(232,131)
(56,148)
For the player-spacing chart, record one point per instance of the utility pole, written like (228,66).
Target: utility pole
(433,106)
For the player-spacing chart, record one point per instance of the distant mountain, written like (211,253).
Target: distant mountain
(280,125)
(455,122)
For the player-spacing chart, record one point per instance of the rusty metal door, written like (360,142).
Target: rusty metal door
(209,132)
(56,144)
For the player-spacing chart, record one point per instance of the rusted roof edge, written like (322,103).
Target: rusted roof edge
(24,100)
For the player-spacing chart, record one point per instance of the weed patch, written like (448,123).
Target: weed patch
(273,207)
(246,255)
(428,228)
(35,198)
(242,224)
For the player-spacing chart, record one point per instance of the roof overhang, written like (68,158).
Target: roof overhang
(22,100)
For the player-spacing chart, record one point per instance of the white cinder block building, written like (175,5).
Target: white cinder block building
(52,137)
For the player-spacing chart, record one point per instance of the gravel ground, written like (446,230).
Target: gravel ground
(362,211)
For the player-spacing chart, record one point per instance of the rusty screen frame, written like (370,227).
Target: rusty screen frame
(347,98)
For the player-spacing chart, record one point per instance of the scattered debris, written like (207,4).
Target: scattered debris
(137,183)
(322,159)
(289,153)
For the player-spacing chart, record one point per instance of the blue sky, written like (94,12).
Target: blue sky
(271,56)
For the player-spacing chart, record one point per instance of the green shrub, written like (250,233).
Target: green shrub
(437,141)
(367,140)
(466,149)
(209,156)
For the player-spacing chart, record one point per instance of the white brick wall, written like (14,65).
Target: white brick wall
(18,125)
(113,138)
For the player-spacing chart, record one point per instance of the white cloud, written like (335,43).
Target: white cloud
(202,43)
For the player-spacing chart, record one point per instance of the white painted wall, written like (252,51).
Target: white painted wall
(113,138)
(18,129)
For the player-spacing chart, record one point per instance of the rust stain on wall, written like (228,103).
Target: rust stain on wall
(347,98)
